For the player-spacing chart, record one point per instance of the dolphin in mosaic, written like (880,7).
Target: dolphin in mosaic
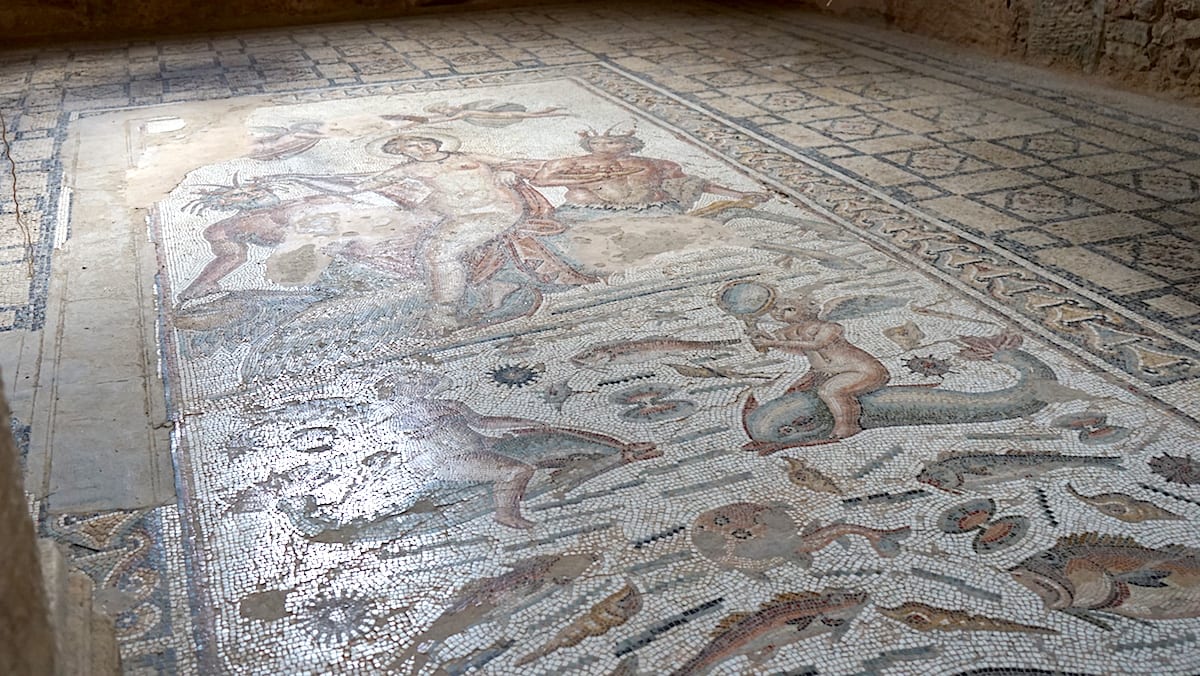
(800,418)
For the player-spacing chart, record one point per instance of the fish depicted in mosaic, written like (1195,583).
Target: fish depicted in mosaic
(1089,572)
(478,599)
(1125,507)
(806,476)
(612,611)
(754,537)
(637,351)
(787,618)
(952,471)
(924,617)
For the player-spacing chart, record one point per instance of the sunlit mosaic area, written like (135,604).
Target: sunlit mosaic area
(557,371)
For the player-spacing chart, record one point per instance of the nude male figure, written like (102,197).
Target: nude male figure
(612,177)
(838,371)
(474,195)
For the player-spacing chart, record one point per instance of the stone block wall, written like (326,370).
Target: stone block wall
(1150,44)
(1154,36)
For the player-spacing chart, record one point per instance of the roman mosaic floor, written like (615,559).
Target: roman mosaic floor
(603,340)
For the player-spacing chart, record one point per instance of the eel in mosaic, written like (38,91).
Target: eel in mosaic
(478,599)
(637,351)
(923,617)
(801,418)
(787,618)
(1090,572)
(1125,507)
(613,611)
(953,471)
(754,537)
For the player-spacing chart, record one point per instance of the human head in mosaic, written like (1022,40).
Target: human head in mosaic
(611,142)
(421,148)
(794,308)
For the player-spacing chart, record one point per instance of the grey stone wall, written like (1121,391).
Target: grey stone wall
(1151,44)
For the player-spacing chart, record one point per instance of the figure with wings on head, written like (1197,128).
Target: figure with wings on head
(838,371)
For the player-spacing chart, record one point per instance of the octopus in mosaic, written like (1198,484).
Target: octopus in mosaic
(1090,573)
(785,619)
(754,537)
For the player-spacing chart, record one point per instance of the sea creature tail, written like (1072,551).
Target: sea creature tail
(984,348)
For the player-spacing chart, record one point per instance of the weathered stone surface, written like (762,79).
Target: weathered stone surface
(1180,64)
(1129,56)
(1146,43)
(1131,32)
(1185,9)
(1067,28)
(1147,10)
(1142,10)
(1182,31)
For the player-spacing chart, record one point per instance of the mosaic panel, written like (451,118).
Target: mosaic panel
(514,403)
(504,388)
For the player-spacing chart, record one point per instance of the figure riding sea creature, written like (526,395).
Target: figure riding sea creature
(846,389)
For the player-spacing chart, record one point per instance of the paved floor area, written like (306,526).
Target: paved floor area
(607,340)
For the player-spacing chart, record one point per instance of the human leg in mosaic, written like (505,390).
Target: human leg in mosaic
(576,342)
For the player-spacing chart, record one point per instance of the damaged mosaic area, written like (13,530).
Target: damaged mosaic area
(551,372)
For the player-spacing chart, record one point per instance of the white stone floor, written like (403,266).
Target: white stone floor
(607,339)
